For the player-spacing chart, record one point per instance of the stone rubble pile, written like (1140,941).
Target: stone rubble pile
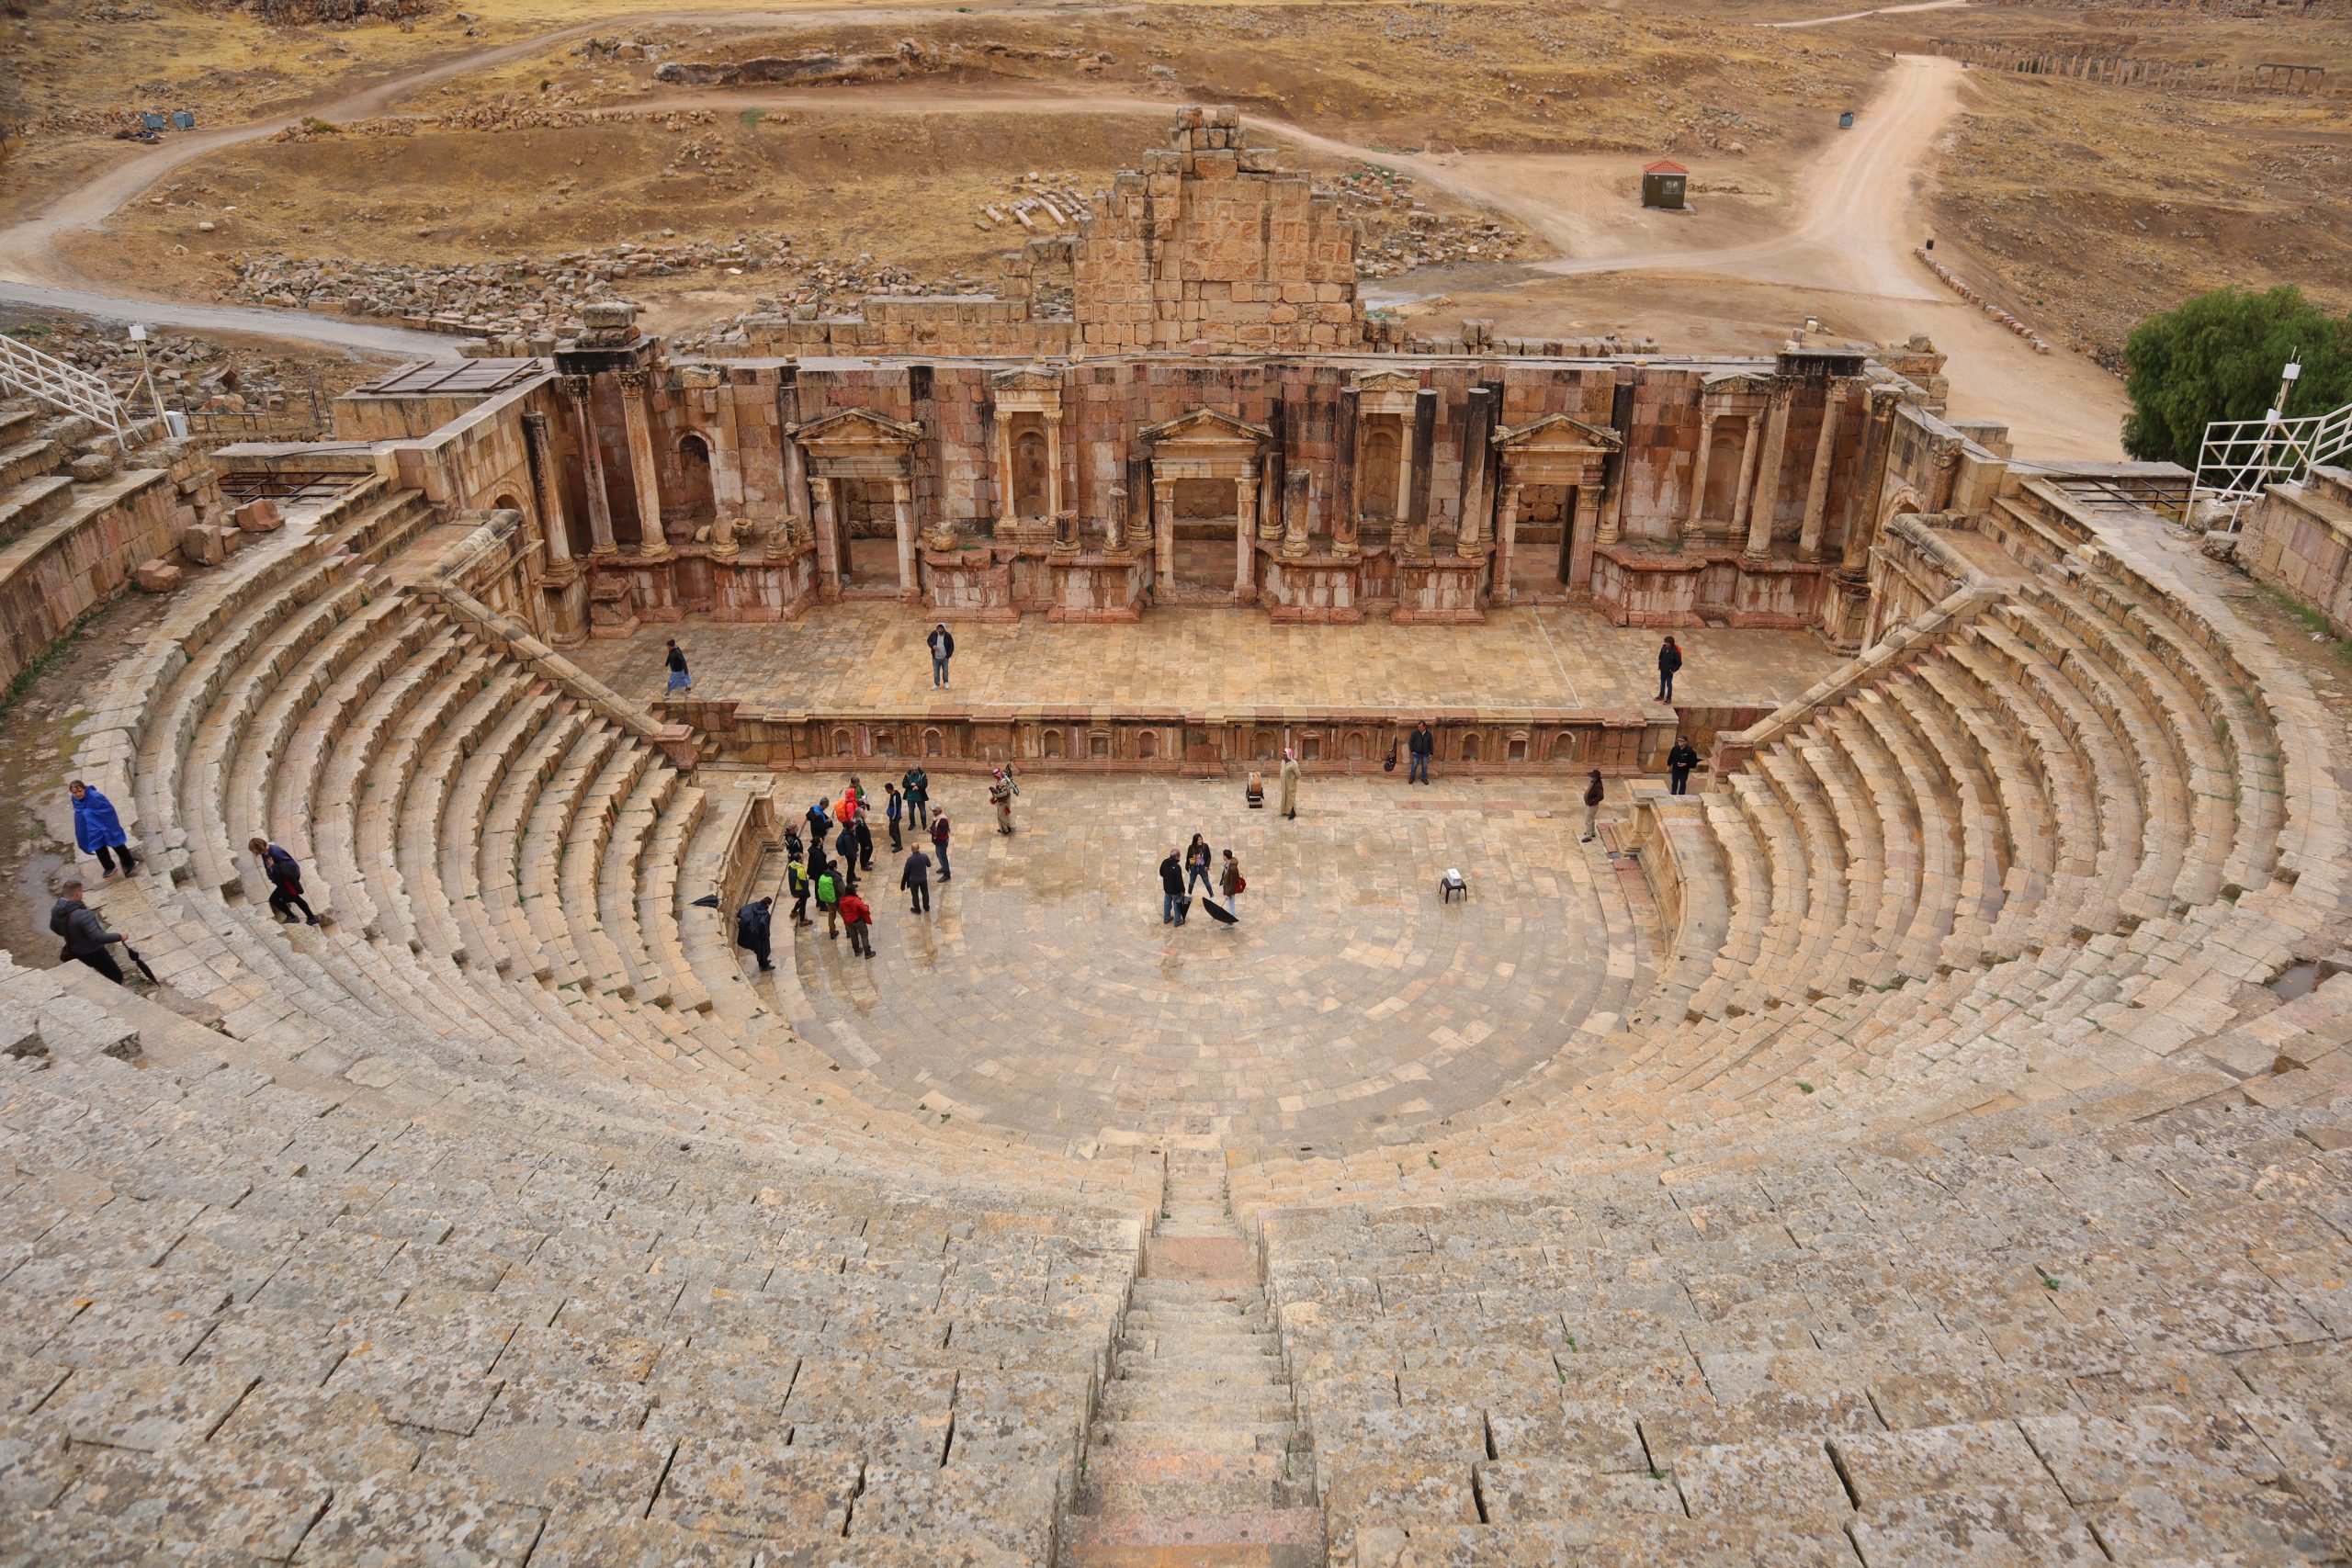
(507,111)
(191,373)
(1953,282)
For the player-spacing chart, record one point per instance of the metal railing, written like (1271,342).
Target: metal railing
(26,370)
(2241,458)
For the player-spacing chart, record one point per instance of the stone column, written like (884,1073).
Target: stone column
(592,461)
(1403,467)
(1607,520)
(545,494)
(1861,518)
(902,516)
(828,536)
(1691,523)
(1767,499)
(1816,489)
(1297,501)
(1506,541)
(797,526)
(1581,536)
(1472,539)
(726,457)
(1245,531)
(1746,478)
(1163,526)
(1114,522)
(651,544)
(1053,462)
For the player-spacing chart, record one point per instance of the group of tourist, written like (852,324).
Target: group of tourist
(1179,876)
(830,878)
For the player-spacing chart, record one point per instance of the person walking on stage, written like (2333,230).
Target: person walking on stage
(1422,745)
(939,844)
(675,662)
(895,810)
(828,898)
(1290,785)
(86,936)
(915,880)
(1678,763)
(918,784)
(1230,882)
(942,643)
(1669,660)
(859,919)
(753,932)
(97,830)
(284,874)
(1171,888)
(1592,794)
(1197,862)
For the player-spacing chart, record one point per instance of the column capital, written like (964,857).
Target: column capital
(635,380)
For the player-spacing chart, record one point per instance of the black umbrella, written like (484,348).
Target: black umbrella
(143,969)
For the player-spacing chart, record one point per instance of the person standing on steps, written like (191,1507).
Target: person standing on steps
(285,877)
(859,919)
(895,810)
(86,936)
(1592,795)
(1171,890)
(676,660)
(1669,660)
(939,844)
(1422,745)
(752,931)
(865,842)
(918,785)
(845,846)
(795,879)
(819,819)
(1290,785)
(1678,763)
(915,880)
(1231,882)
(1197,862)
(97,830)
(942,643)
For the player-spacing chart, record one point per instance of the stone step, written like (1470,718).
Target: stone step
(1272,1537)
(1195,1437)
(1124,1401)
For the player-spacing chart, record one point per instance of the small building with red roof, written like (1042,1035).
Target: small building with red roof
(1665,183)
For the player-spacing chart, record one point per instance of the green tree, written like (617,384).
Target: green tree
(2218,357)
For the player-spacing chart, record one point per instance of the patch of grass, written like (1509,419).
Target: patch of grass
(2309,617)
(46,660)
(751,119)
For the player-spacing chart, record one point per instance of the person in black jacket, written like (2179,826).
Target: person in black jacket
(942,643)
(1669,660)
(1171,888)
(751,929)
(86,936)
(285,875)
(916,881)
(1678,763)
(1422,744)
(1592,794)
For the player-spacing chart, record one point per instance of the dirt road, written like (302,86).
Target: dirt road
(1848,233)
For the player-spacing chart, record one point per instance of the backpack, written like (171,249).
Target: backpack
(279,866)
(1240,883)
(826,893)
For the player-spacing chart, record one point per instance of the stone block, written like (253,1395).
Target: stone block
(203,544)
(93,468)
(156,576)
(260,515)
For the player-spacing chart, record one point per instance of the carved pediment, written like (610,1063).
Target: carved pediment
(1387,392)
(1736,383)
(1206,427)
(856,428)
(1029,379)
(1557,433)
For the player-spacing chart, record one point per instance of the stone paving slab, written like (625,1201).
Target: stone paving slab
(859,657)
(1044,992)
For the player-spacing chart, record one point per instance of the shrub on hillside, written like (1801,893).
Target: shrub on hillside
(2218,357)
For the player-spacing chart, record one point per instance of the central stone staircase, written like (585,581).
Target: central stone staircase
(1196,1462)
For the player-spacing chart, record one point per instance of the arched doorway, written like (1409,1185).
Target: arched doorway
(697,504)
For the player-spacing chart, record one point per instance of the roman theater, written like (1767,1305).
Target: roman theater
(1923,1142)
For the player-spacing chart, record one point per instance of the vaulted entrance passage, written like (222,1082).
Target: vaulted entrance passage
(1204,476)
(1044,995)
(1551,510)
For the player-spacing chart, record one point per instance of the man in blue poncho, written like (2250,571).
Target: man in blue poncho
(97,830)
